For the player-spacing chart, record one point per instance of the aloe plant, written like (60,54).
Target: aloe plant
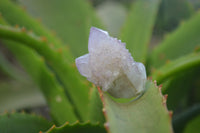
(132,83)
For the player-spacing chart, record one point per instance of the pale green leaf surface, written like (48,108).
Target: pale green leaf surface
(145,114)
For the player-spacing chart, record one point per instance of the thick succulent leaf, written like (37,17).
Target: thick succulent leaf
(6,67)
(69,19)
(77,128)
(177,66)
(178,96)
(60,107)
(138,28)
(182,41)
(17,16)
(182,70)
(22,123)
(66,72)
(171,13)
(95,106)
(64,65)
(17,89)
(15,94)
(148,113)
(193,126)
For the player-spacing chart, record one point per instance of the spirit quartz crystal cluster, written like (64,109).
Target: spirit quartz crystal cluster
(110,66)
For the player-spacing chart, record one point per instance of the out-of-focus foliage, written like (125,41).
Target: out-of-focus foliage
(41,38)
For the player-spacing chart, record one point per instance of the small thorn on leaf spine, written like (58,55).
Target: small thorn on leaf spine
(168,61)
(106,125)
(23,29)
(104,110)
(170,114)
(16,26)
(155,83)
(197,49)
(164,99)
(43,38)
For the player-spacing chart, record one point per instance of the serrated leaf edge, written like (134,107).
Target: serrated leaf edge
(164,101)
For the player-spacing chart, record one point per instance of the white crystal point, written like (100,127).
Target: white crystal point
(111,66)
(82,65)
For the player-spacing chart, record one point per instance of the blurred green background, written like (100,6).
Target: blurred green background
(71,21)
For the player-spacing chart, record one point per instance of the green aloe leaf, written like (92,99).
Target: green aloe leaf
(17,16)
(95,107)
(66,72)
(17,90)
(176,72)
(22,123)
(139,26)
(6,68)
(69,19)
(180,95)
(148,113)
(177,66)
(77,128)
(64,65)
(171,13)
(182,41)
(60,107)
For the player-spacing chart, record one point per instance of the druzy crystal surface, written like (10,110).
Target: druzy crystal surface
(110,66)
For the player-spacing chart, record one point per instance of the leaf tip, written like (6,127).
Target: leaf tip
(170,114)
(106,125)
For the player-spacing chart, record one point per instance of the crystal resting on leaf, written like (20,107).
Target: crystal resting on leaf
(110,66)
